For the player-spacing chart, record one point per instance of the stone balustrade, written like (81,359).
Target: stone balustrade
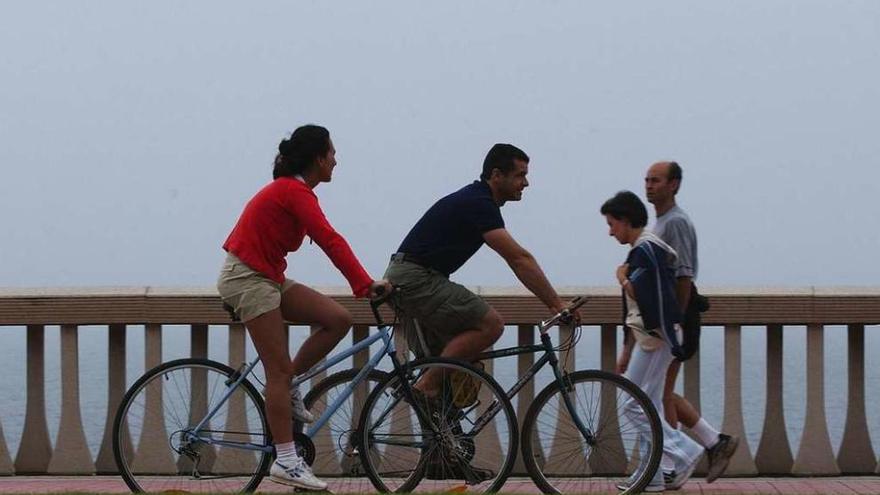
(774,309)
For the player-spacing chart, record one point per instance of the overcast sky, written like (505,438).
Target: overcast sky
(132,134)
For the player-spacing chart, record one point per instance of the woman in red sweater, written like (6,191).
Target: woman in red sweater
(252,282)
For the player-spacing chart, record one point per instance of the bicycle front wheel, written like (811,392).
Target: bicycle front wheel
(164,441)
(617,446)
(335,443)
(464,439)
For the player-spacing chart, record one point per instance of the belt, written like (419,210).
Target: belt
(410,258)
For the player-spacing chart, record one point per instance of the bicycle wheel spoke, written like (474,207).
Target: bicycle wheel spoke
(615,413)
(155,443)
(423,444)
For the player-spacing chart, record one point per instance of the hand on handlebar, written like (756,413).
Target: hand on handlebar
(380,289)
(573,313)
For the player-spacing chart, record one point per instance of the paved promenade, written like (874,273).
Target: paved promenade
(733,486)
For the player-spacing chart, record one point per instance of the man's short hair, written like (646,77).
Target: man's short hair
(625,205)
(675,174)
(502,157)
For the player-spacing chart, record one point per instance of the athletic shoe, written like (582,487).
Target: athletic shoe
(297,406)
(653,486)
(297,474)
(300,413)
(678,479)
(668,478)
(719,456)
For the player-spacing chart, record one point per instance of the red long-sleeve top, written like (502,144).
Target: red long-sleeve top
(274,223)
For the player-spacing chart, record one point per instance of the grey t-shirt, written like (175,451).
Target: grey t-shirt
(677,230)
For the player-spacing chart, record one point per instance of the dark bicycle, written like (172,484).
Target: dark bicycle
(588,431)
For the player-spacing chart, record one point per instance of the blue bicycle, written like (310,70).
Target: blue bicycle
(196,425)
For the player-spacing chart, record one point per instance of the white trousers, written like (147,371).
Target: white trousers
(647,369)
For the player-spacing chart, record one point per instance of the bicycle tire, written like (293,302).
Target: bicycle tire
(467,454)
(576,466)
(165,470)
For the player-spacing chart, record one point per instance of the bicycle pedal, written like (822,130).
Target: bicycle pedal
(305,490)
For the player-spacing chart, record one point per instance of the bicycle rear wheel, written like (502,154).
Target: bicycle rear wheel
(627,441)
(157,447)
(462,440)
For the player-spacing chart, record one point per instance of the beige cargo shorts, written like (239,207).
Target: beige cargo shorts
(247,291)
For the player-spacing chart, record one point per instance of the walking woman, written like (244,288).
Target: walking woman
(252,282)
(651,332)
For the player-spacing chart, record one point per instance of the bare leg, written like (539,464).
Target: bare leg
(267,333)
(669,407)
(676,408)
(465,346)
(300,303)
(687,413)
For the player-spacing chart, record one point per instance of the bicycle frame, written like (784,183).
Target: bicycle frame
(388,348)
(549,356)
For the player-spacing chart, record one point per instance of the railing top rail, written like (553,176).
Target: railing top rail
(488,290)
(169,305)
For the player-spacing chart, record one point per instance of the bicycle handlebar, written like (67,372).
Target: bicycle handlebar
(566,315)
(382,298)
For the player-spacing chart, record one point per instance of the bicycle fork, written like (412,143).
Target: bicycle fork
(565,388)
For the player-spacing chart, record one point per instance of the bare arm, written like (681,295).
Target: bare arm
(626,352)
(524,266)
(683,292)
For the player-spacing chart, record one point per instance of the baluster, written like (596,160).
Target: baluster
(358,397)
(152,454)
(526,395)
(323,439)
(741,462)
(815,455)
(116,385)
(34,453)
(856,454)
(233,460)
(402,417)
(488,443)
(560,452)
(691,372)
(613,459)
(198,400)
(5,461)
(71,455)
(774,451)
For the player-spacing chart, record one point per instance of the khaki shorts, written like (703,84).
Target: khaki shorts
(249,292)
(443,308)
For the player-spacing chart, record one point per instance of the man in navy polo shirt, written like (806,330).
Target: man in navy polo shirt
(454,321)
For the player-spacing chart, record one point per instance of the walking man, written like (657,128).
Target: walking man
(674,227)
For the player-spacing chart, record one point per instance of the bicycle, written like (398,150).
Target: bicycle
(201,425)
(587,431)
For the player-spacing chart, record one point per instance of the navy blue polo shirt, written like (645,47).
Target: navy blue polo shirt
(451,231)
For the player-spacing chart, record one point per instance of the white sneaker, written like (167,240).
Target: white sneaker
(298,474)
(653,486)
(300,413)
(676,480)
